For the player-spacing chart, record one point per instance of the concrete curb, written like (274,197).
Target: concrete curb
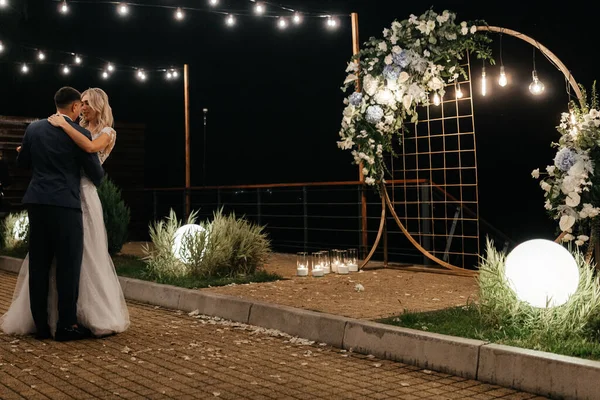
(537,372)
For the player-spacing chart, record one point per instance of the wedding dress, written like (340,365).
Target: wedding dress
(101,305)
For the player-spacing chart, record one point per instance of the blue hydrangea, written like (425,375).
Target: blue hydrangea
(401,59)
(355,99)
(374,114)
(391,72)
(564,159)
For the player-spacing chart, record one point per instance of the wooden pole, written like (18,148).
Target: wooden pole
(361,178)
(188,182)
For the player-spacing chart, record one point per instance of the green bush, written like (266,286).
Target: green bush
(116,215)
(15,232)
(499,305)
(227,247)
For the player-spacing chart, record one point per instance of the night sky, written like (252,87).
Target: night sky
(274,99)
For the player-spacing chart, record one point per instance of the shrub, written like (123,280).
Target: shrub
(15,232)
(116,215)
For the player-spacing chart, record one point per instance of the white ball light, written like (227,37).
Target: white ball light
(542,273)
(189,230)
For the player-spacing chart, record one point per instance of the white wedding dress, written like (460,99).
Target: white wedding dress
(101,305)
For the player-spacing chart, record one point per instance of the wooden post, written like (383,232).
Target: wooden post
(188,182)
(361,178)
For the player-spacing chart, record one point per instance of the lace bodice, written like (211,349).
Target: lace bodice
(103,154)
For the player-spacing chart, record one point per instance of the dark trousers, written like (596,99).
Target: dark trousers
(54,233)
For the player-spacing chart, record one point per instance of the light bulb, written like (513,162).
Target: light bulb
(169,75)
(175,74)
(64,8)
(122,9)
(141,75)
(77,60)
(3,3)
(459,93)
(259,8)
(213,2)
(436,99)
(41,56)
(230,20)
(297,18)
(110,68)
(105,75)
(483,82)
(66,70)
(502,81)
(1,47)
(179,15)
(24,68)
(331,23)
(282,23)
(536,87)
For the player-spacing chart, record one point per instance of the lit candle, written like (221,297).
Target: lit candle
(302,270)
(342,269)
(334,266)
(317,270)
(353,267)
(326,269)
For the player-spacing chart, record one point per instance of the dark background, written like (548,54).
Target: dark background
(274,99)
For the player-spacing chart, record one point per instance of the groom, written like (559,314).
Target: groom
(55,218)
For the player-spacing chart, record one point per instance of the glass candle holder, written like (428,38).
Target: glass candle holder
(302,263)
(317,264)
(335,260)
(352,260)
(325,262)
(343,267)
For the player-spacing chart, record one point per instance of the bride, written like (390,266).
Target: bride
(101,306)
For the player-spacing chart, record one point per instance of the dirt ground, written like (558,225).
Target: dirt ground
(387,291)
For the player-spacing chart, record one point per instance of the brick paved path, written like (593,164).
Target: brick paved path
(169,354)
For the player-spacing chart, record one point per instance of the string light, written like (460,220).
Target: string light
(483,81)
(536,87)
(282,23)
(123,9)
(297,18)
(141,75)
(77,60)
(110,67)
(41,56)
(436,99)
(1,47)
(64,8)
(260,8)
(171,74)
(230,20)
(105,75)
(179,15)
(24,68)
(3,3)
(502,81)
(458,91)
(66,70)
(331,23)
(213,2)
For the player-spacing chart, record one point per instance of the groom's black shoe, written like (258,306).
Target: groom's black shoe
(72,333)
(43,334)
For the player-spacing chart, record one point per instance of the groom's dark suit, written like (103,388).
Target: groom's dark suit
(55,219)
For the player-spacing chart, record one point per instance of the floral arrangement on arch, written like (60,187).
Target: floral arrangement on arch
(392,76)
(571,187)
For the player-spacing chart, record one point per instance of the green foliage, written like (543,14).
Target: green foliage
(499,305)
(116,215)
(15,232)
(227,247)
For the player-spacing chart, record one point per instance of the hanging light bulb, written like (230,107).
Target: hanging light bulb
(123,9)
(331,23)
(483,82)
(175,74)
(24,68)
(77,60)
(64,8)
(169,75)
(536,87)
(104,75)
(502,81)
(213,2)
(1,47)
(230,20)
(141,75)
(3,3)
(41,56)
(297,18)
(282,23)
(259,8)
(110,67)
(459,93)
(179,15)
(436,99)
(66,70)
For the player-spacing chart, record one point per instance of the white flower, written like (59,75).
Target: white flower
(388,60)
(435,83)
(583,238)
(386,32)
(370,181)
(579,243)
(426,53)
(350,78)
(383,46)
(385,97)
(550,170)
(464,30)
(370,84)
(394,39)
(365,171)
(352,67)
(406,101)
(545,186)
(573,199)
(430,26)
(535,173)
(345,144)
(589,211)
(463,24)
(396,49)
(594,113)
(473,29)
(566,222)
(403,77)
(568,237)
(548,205)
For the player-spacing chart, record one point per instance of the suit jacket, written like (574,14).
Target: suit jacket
(56,163)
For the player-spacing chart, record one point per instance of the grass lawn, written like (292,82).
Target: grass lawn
(133,267)
(466,322)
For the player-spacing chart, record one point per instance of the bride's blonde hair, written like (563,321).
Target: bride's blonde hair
(98,101)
